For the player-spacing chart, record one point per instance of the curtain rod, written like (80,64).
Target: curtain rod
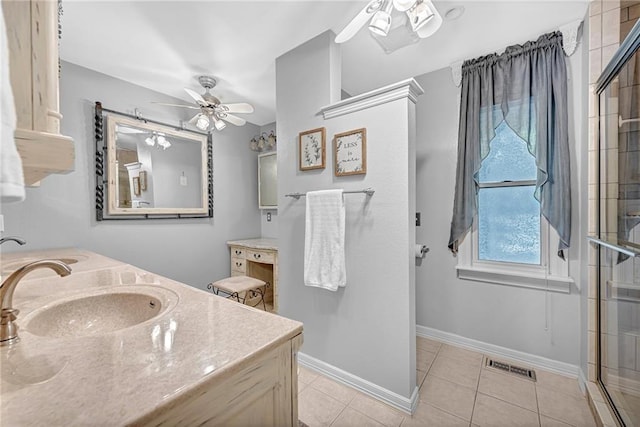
(569,43)
(368,191)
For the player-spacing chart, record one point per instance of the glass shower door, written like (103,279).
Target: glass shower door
(619,232)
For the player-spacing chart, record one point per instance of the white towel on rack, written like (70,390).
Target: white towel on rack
(11,178)
(324,251)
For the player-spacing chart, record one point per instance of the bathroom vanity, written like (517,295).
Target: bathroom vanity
(113,344)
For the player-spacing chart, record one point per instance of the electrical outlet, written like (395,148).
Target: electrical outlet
(417,219)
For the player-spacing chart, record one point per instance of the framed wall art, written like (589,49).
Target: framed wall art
(136,185)
(312,149)
(143,180)
(350,151)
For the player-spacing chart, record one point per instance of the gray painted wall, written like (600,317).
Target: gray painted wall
(368,327)
(500,315)
(61,212)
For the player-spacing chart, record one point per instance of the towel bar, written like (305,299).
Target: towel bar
(368,191)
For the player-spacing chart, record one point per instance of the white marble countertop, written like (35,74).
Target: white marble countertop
(257,243)
(126,376)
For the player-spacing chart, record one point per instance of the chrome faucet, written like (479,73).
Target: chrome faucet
(8,329)
(13,239)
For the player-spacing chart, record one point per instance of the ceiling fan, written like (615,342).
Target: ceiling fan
(422,17)
(213,114)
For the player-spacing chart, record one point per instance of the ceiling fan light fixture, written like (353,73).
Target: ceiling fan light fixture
(203,122)
(380,23)
(149,141)
(404,5)
(419,15)
(219,124)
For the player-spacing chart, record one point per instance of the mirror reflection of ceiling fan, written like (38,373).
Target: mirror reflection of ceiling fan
(213,114)
(154,138)
(422,18)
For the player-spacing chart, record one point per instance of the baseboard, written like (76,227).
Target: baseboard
(582,381)
(360,384)
(495,350)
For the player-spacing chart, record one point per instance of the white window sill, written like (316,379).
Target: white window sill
(520,279)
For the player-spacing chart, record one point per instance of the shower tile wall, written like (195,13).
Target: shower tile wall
(605,28)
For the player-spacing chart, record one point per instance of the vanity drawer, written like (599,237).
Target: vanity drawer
(237,251)
(238,264)
(266,257)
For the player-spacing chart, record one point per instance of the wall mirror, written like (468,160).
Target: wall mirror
(150,170)
(268,181)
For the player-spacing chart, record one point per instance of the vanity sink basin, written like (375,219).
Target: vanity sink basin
(101,312)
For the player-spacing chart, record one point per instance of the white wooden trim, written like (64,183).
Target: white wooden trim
(515,278)
(389,397)
(498,351)
(404,89)
(582,382)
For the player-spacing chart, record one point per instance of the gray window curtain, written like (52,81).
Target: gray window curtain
(527,87)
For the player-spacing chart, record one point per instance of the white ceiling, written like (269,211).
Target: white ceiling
(165,45)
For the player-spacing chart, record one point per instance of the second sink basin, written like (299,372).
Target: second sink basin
(100,312)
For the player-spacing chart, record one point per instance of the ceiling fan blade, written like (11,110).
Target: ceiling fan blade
(239,107)
(234,120)
(358,22)
(177,105)
(196,97)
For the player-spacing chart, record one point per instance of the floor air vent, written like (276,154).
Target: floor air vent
(529,374)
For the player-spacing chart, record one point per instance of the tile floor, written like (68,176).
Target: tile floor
(456,389)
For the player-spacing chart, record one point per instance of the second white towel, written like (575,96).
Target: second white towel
(324,250)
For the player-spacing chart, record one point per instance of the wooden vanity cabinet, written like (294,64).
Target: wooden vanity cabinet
(262,392)
(32,34)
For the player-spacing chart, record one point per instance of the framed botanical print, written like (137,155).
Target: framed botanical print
(136,185)
(350,151)
(312,149)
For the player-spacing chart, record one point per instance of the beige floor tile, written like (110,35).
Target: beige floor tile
(427,415)
(301,386)
(460,353)
(316,409)
(461,371)
(550,422)
(427,344)
(558,382)
(492,412)
(424,359)
(352,418)
(377,410)
(448,396)
(340,392)
(564,407)
(511,389)
(306,375)
(420,376)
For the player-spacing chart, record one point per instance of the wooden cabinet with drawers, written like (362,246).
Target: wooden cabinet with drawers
(257,258)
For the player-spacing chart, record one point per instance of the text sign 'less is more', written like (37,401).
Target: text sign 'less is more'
(350,150)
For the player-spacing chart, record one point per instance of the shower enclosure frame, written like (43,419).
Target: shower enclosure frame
(628,48)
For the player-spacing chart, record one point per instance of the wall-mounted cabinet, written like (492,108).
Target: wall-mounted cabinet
(268,181)
(32,33)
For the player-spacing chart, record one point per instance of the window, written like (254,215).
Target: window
(508,213)
(510,242)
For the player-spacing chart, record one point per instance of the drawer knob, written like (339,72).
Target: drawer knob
(238,264)
(256,255)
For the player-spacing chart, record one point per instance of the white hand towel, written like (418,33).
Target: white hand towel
(11,178)
(324,251)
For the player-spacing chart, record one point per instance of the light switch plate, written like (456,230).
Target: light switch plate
(183,180)
(417,219)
